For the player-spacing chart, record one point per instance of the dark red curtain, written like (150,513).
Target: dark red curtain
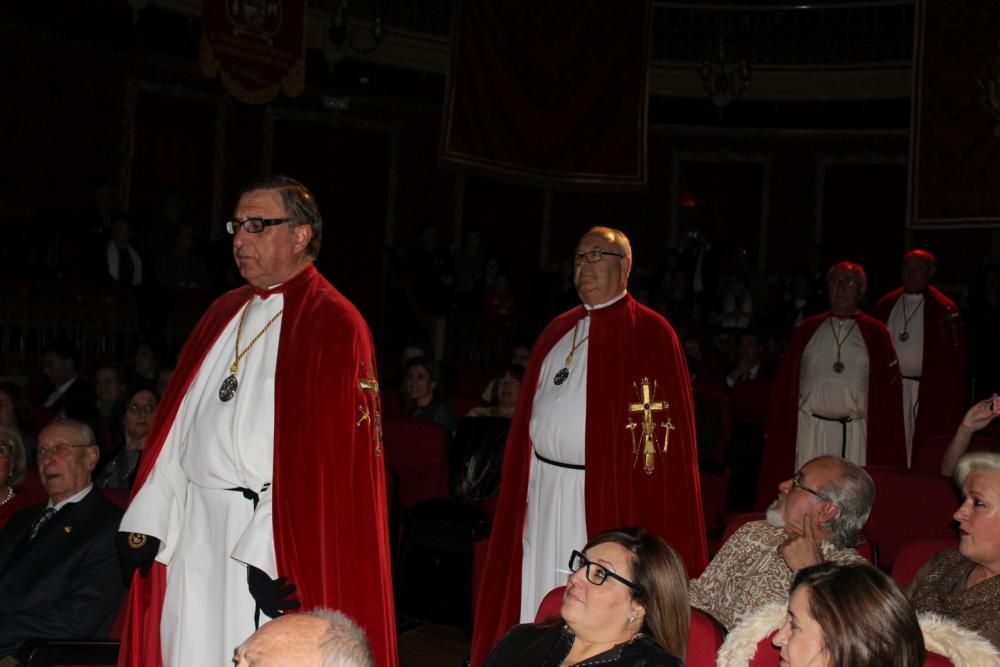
(955,178)
(551,92)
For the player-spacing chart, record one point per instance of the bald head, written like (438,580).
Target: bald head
(321,638)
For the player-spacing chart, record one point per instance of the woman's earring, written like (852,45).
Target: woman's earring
(631,620)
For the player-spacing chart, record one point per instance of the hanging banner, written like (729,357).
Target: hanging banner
(552,93)
(257,47)
(955,138)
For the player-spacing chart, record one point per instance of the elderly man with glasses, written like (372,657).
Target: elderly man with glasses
(816,517)
(838,389)
(603,435)
(59,571)
(262,486)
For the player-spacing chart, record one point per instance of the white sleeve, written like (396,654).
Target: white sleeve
(256,544)
(158,507)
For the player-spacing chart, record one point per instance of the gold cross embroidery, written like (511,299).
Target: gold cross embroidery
(370,384)
(647,405)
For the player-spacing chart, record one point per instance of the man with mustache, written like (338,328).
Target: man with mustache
(263,487)
(816,517)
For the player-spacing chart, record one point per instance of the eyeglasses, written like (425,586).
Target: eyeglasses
(843,282)
(597,574)
(593,256)
(6,449)
(254,225)
(58,451)
(797,482)
(144,408)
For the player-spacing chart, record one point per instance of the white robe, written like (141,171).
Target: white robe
(825,392)
(208,534)
(555,521)
(911,357)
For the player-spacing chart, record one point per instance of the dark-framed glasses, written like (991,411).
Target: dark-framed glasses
(797,482)
(6,450)
(253,225)
(597,574)
(57,451)
(593,256)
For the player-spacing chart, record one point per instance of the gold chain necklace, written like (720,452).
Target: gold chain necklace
(564,371)
(230,384)
(904,335)
(838,365)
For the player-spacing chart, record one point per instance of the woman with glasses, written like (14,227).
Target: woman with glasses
(625,604)
(136,412)
(13,462)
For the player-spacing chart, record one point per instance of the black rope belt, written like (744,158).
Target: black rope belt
(843,421)
(915,378)
(558,464)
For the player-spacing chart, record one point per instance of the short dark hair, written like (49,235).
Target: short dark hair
(865,619)
(300,205)
(661,575)
(64,349)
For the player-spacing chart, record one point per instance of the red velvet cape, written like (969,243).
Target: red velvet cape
(627,342)
(943,393)
(886,440)
(329,507)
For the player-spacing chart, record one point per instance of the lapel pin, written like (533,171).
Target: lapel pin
(68,529)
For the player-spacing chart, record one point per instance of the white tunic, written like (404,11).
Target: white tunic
(911,356)
(555,519)
(208,533)
(822,391)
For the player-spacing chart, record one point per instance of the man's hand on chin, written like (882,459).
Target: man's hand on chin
(801,551)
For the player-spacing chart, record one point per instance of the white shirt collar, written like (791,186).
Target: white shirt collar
(615,299)
(72,499)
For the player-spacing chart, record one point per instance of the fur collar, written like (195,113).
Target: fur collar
(941,635)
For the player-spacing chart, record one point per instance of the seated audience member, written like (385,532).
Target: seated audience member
(976,419)
(506,389)
(421,400)
(60,365)
(109,383)
(849,616)
(519,353)
(962,583)
(625,604)
(181,268)
(145,363)
(320,638)
(59,571)
(13,461)
(122,262)
(15,411)
(838,615)
(136,417)
(816,517)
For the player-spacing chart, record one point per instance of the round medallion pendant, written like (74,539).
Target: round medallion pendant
(228,388)
(561,376)
(838,367)
(904,336)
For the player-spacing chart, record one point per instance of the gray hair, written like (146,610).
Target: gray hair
(343,643)
(84,432)
(300,206)
(975,462)
(853,492)
(617,237)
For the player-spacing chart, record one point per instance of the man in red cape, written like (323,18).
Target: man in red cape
(883,417)
(929,338)
(618,347)
(326,492)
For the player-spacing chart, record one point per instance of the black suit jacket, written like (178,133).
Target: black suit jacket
(80,392)
(66,583)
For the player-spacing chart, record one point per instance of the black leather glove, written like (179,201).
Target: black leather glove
(136,552)
(271,595)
